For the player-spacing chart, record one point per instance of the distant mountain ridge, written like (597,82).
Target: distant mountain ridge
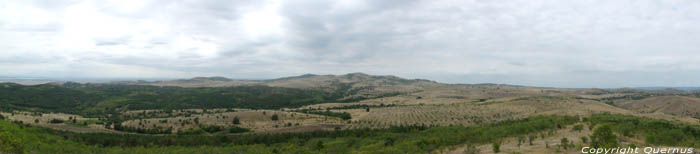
(354,85)
(214,78)
(666,88)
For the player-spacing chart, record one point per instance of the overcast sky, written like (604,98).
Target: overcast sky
(554,43)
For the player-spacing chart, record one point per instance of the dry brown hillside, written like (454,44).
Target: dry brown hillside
(352,85)
(673,105)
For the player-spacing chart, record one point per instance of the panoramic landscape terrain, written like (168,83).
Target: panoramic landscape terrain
(350,113)
(349,77)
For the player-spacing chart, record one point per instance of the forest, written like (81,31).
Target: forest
(96,100)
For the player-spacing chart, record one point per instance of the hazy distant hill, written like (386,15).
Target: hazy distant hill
(673,105)
(676,88)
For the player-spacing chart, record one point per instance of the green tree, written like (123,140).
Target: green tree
(346,116)
(496,147)
(275,117)
(603,137)
(236,121)
(319,145)
(578,128)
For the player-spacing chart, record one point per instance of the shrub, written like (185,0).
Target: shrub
(275,117)
(346,116)
(236,121)
(191,132)
(564,143)
(56,121)
(578,128)
(236,129)
(603,137)
(496,147)
(211,128)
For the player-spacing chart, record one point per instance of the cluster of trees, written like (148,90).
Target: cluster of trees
(97,100)
(399,139)
(236,129)
(146,130)
(341,115)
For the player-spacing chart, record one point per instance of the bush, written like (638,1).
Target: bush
(275,117)
(236,121)
(191,132)
(578,128)
(496,147)
(346,116)
(235,129)
(211,128)
(565,143)
(56,121)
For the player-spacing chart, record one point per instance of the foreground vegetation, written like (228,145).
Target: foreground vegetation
(19,138)
(403,139)
(652,131)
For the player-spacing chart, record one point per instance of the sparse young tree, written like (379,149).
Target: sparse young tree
(532,138)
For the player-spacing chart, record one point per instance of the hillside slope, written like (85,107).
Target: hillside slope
(673,105)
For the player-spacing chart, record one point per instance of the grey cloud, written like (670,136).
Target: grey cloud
(540,42)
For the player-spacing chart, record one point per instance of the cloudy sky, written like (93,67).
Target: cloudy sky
(528,42)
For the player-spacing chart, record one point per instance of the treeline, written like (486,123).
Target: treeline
(95,100)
